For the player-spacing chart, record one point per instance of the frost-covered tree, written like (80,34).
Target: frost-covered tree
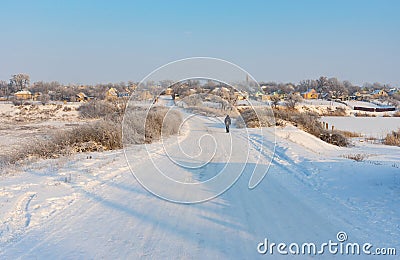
(292,100)
(275,100)
(19,81)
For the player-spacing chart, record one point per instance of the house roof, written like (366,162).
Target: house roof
(112,91)
(23,92)
(309,91)
(81,94)
(376,91)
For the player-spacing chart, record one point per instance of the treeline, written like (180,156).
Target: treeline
(57,91)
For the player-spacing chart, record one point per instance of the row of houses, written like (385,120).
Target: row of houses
(113,94)
(376,94)
(359,95)
(313,94)
(26,95)
(110,95)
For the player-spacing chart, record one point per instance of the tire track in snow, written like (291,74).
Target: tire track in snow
(18,220)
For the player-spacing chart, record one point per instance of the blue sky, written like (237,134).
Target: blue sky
(111,41)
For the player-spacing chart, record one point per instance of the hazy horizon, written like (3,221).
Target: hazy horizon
(287,41)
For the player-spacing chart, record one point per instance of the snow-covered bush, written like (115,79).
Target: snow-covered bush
(101,135)
(142,126)
(338,111)
(96,136)
(308,121)
(193,100)
(257,117)
(393,138)
(359,157)
(100,109)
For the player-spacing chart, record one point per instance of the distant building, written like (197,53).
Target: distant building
(241,95)
(224,89)
(343,97)
(124,94)
(356,96)
(310,94)
(23,95)
(325,95)
(169,91)
(259,95)
(37,96)
(111,94)
(378,93)
(394,91)
(81,97)
(265,97)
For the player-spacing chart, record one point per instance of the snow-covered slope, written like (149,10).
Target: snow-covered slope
(92,207)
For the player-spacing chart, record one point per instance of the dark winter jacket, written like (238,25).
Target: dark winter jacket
(227,120)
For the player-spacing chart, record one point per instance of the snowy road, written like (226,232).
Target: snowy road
(103,212)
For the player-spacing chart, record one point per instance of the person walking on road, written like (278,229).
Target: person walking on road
(227,123)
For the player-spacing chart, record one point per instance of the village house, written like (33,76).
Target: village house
(278,93)
(269,96)
(365,95)
(37,96)
(125,94)
(344,97)
(356,96)
(325,95)
(378,93)
(261,96)
(310,94)
(241,95)
(169,91)
(394,91)
(341,97)
(111,94)
(81,97)
(23,95)
(264,97)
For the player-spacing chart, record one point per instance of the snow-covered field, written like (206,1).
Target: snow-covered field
(20,125)
(376,127)
(321,103)
(324,107)
(355,103)
(90,206)
(320,106)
